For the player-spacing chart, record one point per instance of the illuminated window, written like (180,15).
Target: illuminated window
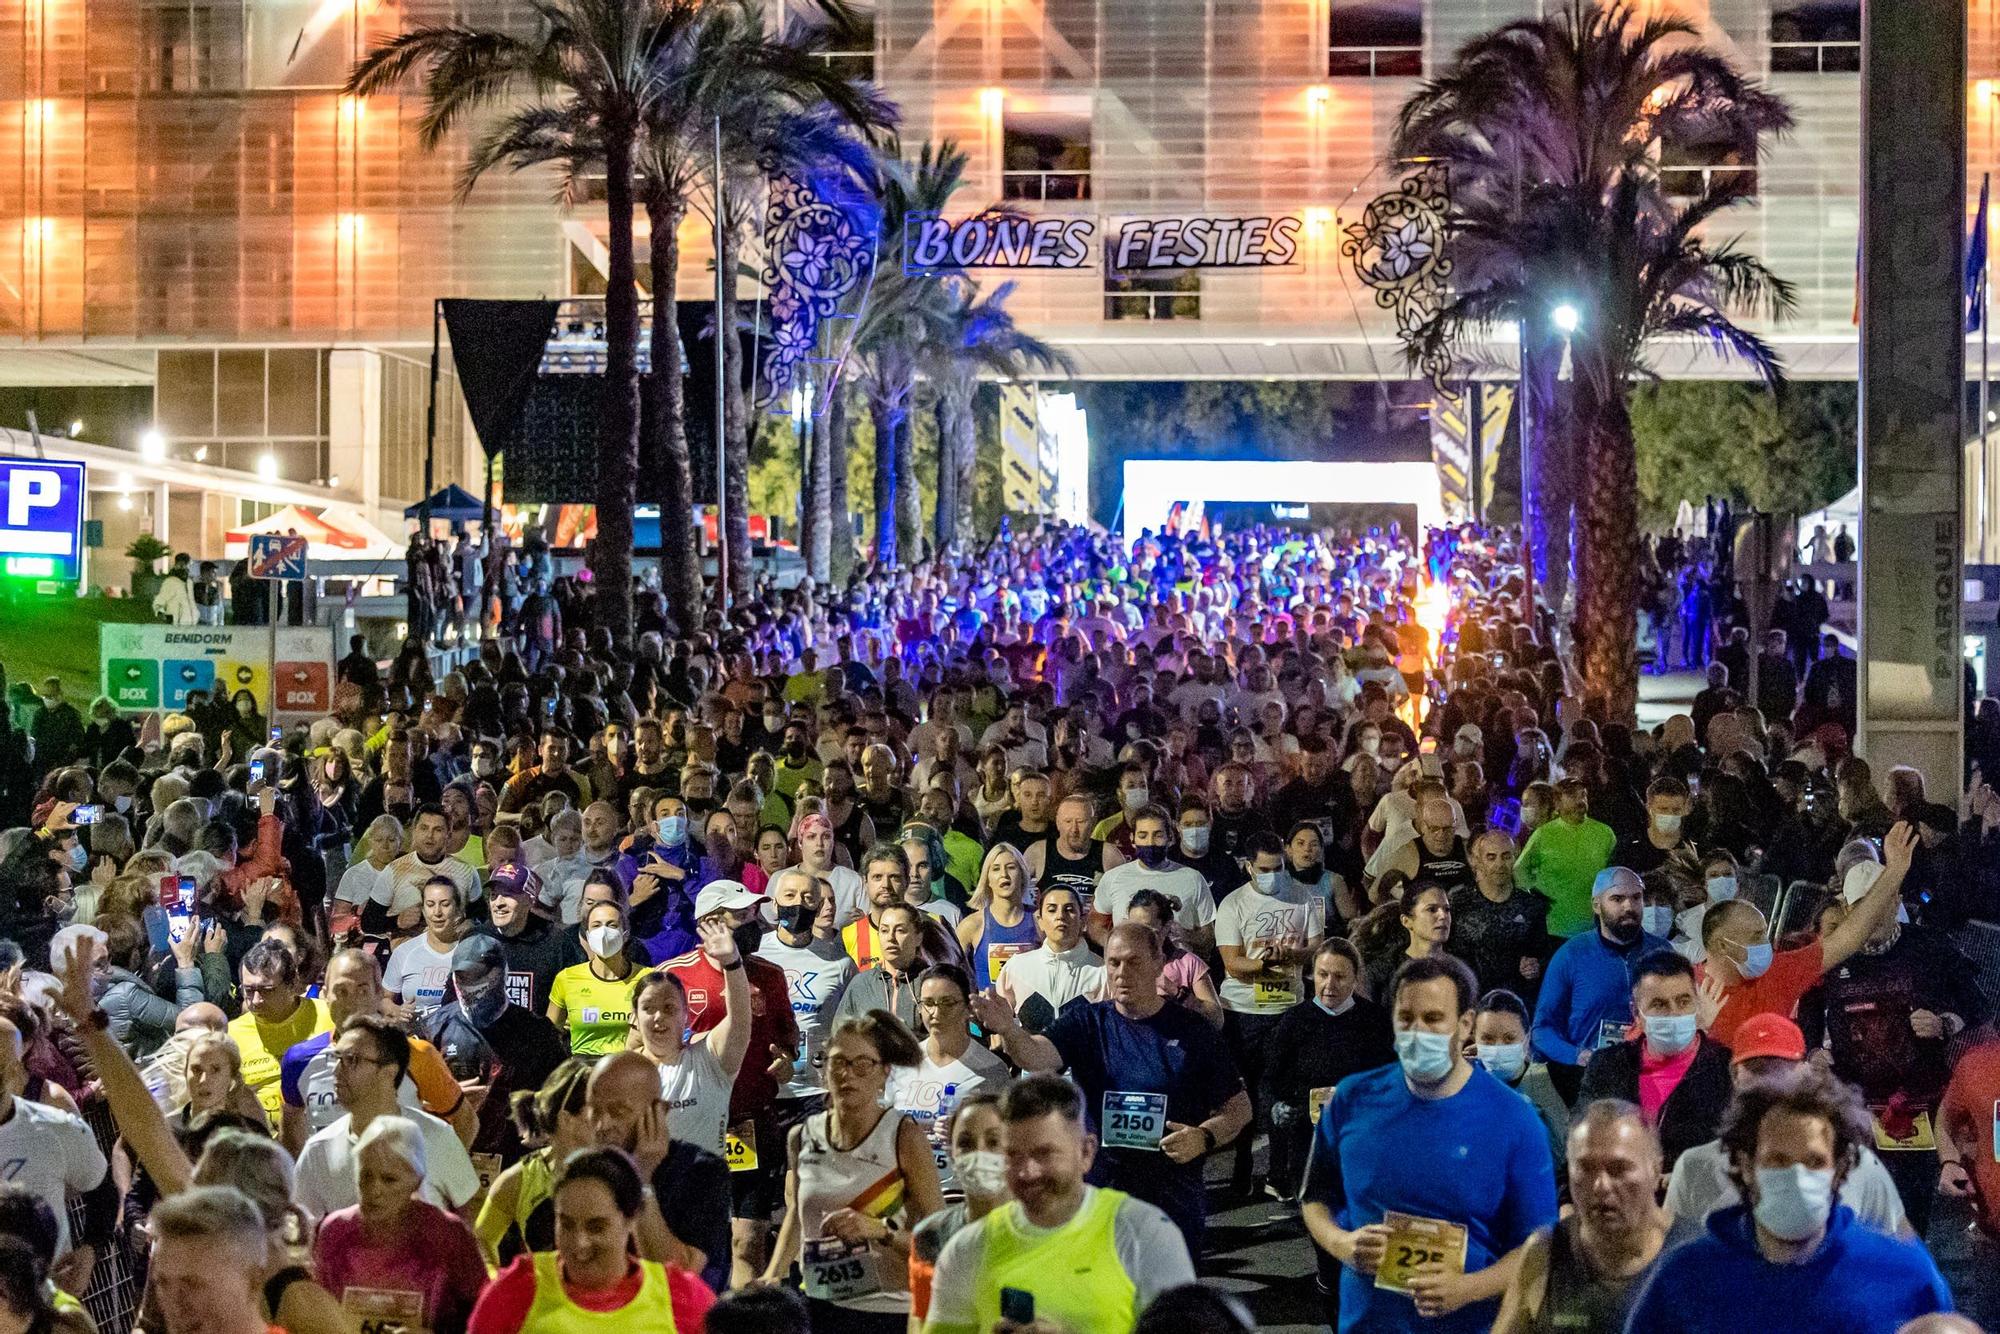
(1817,37)
(1141,296)
(1375,38)
(1045,153)
(1688,170)
(190,47)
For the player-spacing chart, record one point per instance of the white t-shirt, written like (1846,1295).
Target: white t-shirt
(399,886)
(1057,978)
(1254,922)
(357,882)
(320,1100)
(536,850)
(1700,1185)
(325,1180)
(850,895)
(562,884)
(1183,884)
(944,910)
(1149,1248)
(919,1094)
(418,974)
(697,1097)
(52,1155)
(815,981)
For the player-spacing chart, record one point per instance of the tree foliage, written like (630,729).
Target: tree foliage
(1788,453)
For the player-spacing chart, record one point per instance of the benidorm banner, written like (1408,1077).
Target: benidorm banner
(933,243)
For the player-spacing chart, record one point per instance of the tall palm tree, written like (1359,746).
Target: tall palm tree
(901,314)
(1553,131)
(978,335)
(591,65)
(781,110)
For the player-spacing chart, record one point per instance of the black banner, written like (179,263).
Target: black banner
(496,348)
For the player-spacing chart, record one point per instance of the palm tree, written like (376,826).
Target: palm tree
(781,110)
(1552,131)
(978,334)
(591,63)
(901,315)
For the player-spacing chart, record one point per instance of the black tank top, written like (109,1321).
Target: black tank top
(1578,1298)
(1077,873)
(1452,869)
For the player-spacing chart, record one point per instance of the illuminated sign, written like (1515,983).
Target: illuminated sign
(1154,245)
(1069,243)
(41,517)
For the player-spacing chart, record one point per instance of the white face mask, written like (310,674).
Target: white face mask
(981,1172)
(606,941)
(1135,797)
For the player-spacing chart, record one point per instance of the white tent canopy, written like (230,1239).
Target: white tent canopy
(333,534)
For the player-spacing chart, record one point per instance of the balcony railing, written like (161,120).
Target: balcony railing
(1815,57)
(1045,185)
(858,63)
(1374,62)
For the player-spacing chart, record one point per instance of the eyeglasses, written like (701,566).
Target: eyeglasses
(855,1065)
(341,1058)
(948,1003)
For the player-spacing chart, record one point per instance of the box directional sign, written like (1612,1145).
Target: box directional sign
(41,518)
(273,556)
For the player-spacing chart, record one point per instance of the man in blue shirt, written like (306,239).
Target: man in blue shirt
(1791,1257)
(1586,999)
(1159,1091)
(1426,1173)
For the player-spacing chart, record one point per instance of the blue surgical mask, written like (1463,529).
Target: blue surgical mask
(1266,881)
(79,857)
(1721,888)
(1793,1202)
(1506,1061)
(1756,960)
(1194,840)
(1426,1057)
(673,830)
(1669,1034)
(1657,919)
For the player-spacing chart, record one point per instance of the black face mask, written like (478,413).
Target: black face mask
(796,918)
(1308,872)
(1151,855)
(748,937)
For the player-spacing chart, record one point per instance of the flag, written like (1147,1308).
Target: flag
(1975,261)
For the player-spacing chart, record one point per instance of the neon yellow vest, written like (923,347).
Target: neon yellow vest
(1073,1271)
(554,1313)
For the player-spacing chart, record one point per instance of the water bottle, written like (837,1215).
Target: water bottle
(942,1118)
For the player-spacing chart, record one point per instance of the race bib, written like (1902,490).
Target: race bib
(1272,993)
(839,1271)
(1316,1103)
(1134,1120)
(382,1311)
(1417,1244)
(739,1147)
(488,1166)
(997,956)
(1918,1135)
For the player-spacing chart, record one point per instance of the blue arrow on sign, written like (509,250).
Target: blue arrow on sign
(276,556)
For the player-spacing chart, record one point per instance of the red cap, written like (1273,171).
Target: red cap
(1767,1035)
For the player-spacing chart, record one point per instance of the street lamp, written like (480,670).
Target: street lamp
(152,446)
(1566,317)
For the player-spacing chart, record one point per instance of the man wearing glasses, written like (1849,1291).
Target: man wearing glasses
(370,1056)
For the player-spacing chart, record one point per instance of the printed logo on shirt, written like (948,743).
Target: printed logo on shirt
(521,990)
(12,1168)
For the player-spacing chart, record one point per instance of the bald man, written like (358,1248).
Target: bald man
(204,1015)
(1160,1090)
(686,1218)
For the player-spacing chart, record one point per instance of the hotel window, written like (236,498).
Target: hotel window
(1375,39)
(1143,296)
(1687,170)
(189,48)
(300,43)
(1816,37)
(1045,153)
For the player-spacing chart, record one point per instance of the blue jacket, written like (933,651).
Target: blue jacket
(1589,982)
(1859,1282)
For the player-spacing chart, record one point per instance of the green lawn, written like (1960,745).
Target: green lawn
(44,636)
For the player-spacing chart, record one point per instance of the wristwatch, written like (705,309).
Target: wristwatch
(1208,1138)
(735,967)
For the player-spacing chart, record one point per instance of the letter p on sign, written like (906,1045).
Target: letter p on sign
(32,489)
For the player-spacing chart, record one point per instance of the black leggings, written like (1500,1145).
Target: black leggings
(828,1318)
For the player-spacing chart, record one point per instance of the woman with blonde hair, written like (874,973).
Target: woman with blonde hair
(1002,921)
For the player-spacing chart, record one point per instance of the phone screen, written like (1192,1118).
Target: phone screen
(256,771)
(277,733)
(86,815)
(549,706)
(179,921)
(187,892)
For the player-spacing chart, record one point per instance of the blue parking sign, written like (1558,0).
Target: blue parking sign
(41,518)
